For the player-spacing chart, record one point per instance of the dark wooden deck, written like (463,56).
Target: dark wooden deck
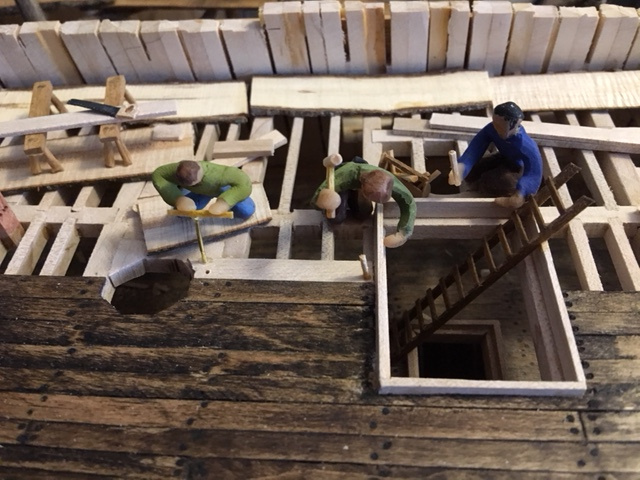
(273,380)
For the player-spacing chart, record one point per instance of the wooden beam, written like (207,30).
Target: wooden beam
(89,55)
(573,40)
(203,46)
(388,94)
(409,36)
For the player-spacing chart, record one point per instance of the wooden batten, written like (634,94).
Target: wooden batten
(203,46)
(576,29)
(284,25)
(81,38)
(614,36)
(247,47)
(409,36)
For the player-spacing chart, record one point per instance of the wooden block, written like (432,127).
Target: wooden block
(284,25)
(202,44)
(534,28)
(88,54)
(162,232)
(386,94)
(458,33)
(65,121)
(168,132)
(118,39)
(438,33)
(162,45)
(11,230)
(243,148)
(247,47)
(46,51)
(573,40)
(409,36)
(16,70)
(325,38)
(491,24)
(365,36)
(613,38)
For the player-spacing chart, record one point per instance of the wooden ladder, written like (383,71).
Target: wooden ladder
(412,329)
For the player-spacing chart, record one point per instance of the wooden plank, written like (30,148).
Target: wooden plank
(162,231)
(569,91)
(622,140)
(534,28)
(65,121)
(62,250)
(15,68)
(203,46)
(409,36)
(50,59)
(247,47)
(573,40)
(284,25)
(88,54)
(624,261)
(163,46)
(291,166)
(614,35)
(325,38)
(243,148)
(31,245)
(83,161)
(397,94)
(458,33)
(365,36)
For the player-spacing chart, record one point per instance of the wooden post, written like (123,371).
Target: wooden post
(115,94)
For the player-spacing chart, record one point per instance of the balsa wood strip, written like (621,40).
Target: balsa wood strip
(16,70)
(534,27)
(583,258)
(66,121)
(164,48)
(409,36)
(50,59)
(624,140)
(368,95)
(30,248)
(203,46)
(247,47)
(325,37)
(291,166)
(284,25)
(89,55)
(63,249)
(614,36)
(569,91)
(573,40)
(458,33)
(365,36)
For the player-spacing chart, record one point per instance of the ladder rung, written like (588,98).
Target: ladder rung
(504,241)
(474,272)
(555,196)
(489,256)
(445,293)
(419,313)
(537,214)
(522,233)
(432,305)
(458,278)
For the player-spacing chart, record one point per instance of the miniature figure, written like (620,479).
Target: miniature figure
(357,184)
(511,174)
(190,185)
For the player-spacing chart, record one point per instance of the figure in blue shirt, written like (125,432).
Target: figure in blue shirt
(511,174)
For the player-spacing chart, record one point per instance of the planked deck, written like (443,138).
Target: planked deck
(279,387)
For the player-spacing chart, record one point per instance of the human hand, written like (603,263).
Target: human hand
(218,207)
(514,201)
(395,240)
(328,199)
(452,175)
(185,204)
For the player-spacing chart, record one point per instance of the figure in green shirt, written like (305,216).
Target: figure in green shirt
(373,184)
(189,185)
